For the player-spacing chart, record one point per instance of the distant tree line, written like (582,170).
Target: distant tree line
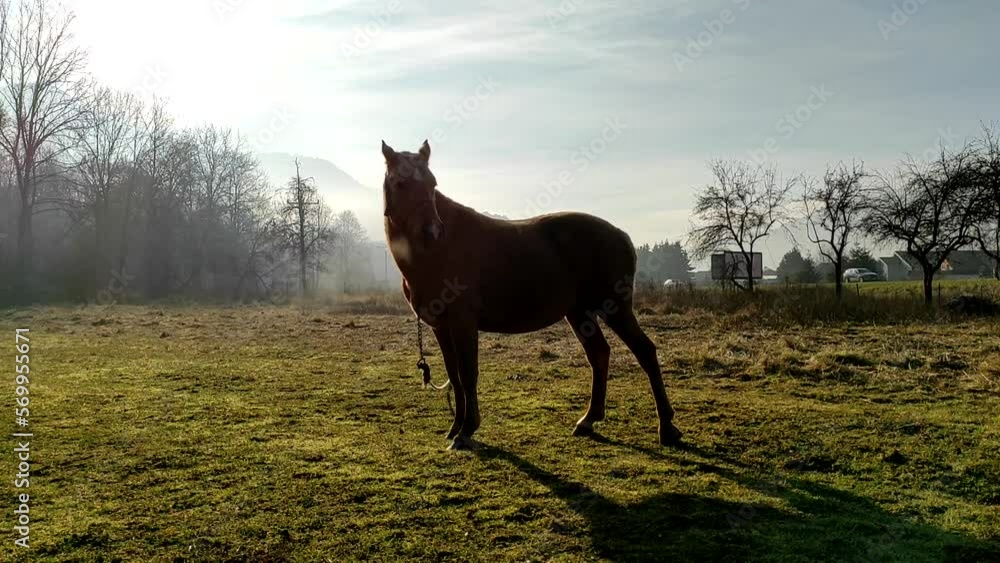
(931,208)
(661,262)
(103,197)
(794,267)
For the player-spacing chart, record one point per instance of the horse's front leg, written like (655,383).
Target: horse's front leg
(466,342)
(451,364)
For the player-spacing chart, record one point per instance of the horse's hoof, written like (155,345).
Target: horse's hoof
(583,429)
(462,443)
(670,436)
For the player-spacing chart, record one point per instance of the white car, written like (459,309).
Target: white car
(852,275)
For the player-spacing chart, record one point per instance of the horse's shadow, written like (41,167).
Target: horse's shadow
(822,524)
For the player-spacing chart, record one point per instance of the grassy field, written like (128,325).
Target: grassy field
(773,304)
(302,434)
(948,287)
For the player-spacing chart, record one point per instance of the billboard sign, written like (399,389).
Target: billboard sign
(730,265)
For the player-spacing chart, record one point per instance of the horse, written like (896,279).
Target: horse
(464,273)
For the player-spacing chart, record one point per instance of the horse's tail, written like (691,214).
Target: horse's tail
(628,269)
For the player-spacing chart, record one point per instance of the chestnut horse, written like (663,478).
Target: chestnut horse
(464,272)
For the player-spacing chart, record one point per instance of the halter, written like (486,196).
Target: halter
(424,367)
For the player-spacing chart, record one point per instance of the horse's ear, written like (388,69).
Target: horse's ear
(425,151)
(389,154)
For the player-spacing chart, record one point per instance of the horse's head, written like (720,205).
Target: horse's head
(408,190)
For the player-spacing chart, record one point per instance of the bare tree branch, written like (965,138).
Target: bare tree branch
(930,207)
(833,211)
(739,210)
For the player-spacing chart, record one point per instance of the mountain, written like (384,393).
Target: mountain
(337,188)
(281,166)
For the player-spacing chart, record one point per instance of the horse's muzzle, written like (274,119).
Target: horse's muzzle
(433,232)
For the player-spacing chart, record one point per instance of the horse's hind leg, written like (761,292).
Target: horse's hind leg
(451,365)
(625,325)
(588,332)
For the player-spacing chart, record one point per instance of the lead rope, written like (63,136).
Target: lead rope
(426,369)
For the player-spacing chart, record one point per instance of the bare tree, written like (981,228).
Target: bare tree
(158,203)
(90,180)
(40,95)
(5,38)
(4,59)
(833,212)
(7,198)
(107,147)
(740,209)
(168,206)
(931,207)
(8,209)
(325,233)
(224,170)
(987,230)
(301,214)
(351,238)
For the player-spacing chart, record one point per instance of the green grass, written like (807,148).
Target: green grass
(810,304)
(915,288)
(263,434)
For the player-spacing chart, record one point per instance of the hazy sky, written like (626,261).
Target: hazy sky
(513,91)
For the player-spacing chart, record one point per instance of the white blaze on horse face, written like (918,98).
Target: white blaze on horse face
(434,230)
(400,247)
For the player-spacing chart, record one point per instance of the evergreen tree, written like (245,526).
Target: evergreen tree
(860,257)
(661,262)
(796,268)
